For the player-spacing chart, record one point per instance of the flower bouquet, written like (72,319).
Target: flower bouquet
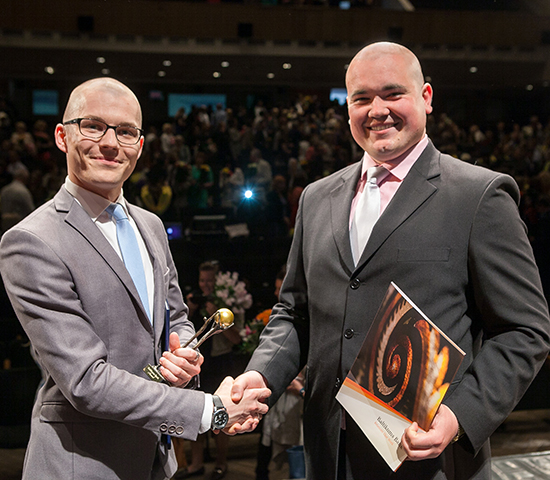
(230,292)
(250,334)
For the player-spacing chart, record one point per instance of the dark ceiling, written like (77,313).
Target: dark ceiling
(446,69)
(192,63)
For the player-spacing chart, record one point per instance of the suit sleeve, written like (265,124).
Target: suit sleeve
(283,347)
(46,299)
(509,308)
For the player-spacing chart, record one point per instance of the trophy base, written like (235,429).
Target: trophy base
(153,372)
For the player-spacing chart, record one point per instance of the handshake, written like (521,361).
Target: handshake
(244,400)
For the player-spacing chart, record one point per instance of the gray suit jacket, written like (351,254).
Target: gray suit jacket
(453,240)
(97,415)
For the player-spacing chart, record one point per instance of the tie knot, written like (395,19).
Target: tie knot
(116,211)
(375,174)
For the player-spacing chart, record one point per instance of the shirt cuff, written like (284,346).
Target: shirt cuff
(206,420)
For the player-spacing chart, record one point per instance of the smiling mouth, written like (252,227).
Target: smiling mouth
(381,128)
(108,160)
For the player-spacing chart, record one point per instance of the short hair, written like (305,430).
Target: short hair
(209,266)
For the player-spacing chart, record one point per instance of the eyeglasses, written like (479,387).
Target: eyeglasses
(96,129)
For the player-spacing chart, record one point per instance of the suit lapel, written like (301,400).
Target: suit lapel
(78,219)
(340,205)
(152,244)
(416,188)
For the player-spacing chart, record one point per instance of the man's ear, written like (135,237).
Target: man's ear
(61,137)
(427,95)
(141,143)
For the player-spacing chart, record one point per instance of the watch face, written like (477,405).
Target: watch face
(220,419)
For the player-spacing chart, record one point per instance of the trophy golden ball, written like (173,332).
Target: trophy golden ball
(225,317)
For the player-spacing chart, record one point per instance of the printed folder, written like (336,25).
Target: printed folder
(401,374)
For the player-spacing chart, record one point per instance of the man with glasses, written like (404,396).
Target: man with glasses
(95,319)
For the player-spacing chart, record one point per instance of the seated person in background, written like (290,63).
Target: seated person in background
(156,194)
(16,200)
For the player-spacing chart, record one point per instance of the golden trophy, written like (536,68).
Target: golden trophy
(221,320)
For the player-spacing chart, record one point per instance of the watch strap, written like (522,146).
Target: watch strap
(217,401)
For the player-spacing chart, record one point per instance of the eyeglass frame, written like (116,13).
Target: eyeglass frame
(76,121)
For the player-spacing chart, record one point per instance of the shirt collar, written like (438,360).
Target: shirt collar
(93,204)
(400,166)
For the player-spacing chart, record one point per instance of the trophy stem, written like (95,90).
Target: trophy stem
(223,319)
(202,329)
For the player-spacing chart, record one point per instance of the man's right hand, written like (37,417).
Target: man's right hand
(244,400)
(250,379)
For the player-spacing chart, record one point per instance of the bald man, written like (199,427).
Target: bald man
(449,234)
(97,415)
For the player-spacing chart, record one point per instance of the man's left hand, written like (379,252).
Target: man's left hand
(180,365)
(421,445)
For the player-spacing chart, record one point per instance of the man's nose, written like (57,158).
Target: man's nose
(109,139)
(378,108)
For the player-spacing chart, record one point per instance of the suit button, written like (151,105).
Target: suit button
(355,284)
(172,429)
(163,427)
(337,383)
(179,430)
(349,333)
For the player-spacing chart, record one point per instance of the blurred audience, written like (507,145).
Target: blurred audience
(202,179)
(16,199)
(277,212)
(156,194)
(205,159)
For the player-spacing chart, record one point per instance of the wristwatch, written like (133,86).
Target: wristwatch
(458,435)
(219,416)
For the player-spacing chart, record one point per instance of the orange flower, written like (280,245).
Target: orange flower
(264,316)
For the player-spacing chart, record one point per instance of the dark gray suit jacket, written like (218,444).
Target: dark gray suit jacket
(453,240)
(97,414)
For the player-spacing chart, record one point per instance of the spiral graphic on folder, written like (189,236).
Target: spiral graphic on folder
(405,360)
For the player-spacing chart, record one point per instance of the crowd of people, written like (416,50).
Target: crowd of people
(205,160)
(208,158)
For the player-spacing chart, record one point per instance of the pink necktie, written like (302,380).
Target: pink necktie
(367,212)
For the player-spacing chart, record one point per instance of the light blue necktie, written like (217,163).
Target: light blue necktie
(129,248)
